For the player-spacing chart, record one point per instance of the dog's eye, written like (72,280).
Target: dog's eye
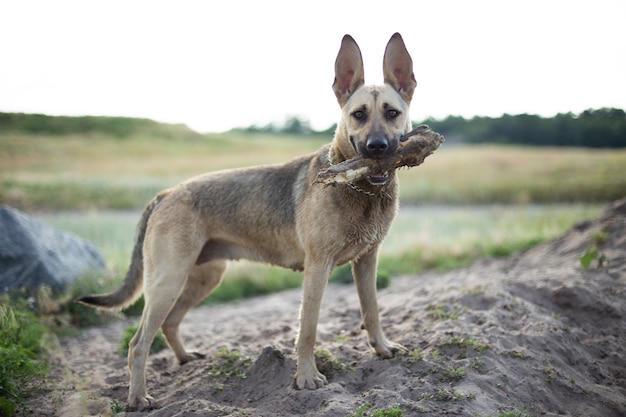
(392,114)
(359,115)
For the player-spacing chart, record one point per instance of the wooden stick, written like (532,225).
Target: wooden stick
(414,147)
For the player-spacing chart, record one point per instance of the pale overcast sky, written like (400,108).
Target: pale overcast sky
(218,65)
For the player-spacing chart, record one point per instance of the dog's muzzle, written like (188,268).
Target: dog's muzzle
(377,147)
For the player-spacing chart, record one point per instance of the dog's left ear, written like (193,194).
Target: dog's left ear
(398,68)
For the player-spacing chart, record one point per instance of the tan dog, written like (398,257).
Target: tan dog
(275,214)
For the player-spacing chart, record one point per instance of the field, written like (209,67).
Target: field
(105,172)
(464,202)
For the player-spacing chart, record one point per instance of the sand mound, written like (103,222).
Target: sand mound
(533,331)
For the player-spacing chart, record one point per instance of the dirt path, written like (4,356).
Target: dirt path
(533,331)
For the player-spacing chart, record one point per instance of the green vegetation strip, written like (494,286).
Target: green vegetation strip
(20,354)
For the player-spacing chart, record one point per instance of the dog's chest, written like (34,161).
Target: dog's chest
(365,228)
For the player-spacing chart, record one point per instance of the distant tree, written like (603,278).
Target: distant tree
(592,128)
(295,125)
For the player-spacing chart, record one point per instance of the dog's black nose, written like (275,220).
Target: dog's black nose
(377,146)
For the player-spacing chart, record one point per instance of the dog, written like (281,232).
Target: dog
(277,215)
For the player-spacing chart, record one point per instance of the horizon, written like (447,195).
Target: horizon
(279,126)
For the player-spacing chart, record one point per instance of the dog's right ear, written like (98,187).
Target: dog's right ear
(349,74)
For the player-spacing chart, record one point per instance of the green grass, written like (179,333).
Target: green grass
(446,237)
(231,367)
(329,365)
(20,354)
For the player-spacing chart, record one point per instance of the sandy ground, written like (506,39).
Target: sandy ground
(534,331)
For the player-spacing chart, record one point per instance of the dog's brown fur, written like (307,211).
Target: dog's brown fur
(275,214)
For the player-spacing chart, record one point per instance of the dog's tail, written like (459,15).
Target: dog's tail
(131,288)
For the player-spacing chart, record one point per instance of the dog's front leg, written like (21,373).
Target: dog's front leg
(315,278)
(364,271)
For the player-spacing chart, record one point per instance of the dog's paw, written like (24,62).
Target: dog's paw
(310,380)
(190,356)
(142,403)
(386,348)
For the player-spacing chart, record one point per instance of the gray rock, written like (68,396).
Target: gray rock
(33,253)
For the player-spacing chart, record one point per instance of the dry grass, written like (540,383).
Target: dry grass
(80,172)
(514,174)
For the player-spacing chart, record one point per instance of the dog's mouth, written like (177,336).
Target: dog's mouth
(379,178)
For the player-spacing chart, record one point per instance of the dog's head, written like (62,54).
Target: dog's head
(374,117)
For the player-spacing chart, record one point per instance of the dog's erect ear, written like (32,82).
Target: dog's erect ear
(398,68)
(349,73)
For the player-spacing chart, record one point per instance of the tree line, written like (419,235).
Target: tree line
(119,127)
(600,128)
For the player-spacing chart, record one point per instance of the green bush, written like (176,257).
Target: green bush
(20,336)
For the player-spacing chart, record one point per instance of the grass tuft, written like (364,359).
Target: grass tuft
(20,354)
(231,364)
(329,365)
(393,410)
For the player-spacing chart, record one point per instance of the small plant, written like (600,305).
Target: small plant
(517,354)
(464,342)
(342,337)
(360,410)
(476,363)
(440,312)
(328,365)
(231,364)
(158,344)
(20,336)
(412,357)
(548,371)
(393,410)
(116,408)
(593,253)
(436,356)
(453,374)
(444,394)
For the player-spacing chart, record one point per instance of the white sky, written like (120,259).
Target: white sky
(217,65)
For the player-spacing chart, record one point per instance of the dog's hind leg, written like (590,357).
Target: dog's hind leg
(364,271)
(169,256)
(202,280)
